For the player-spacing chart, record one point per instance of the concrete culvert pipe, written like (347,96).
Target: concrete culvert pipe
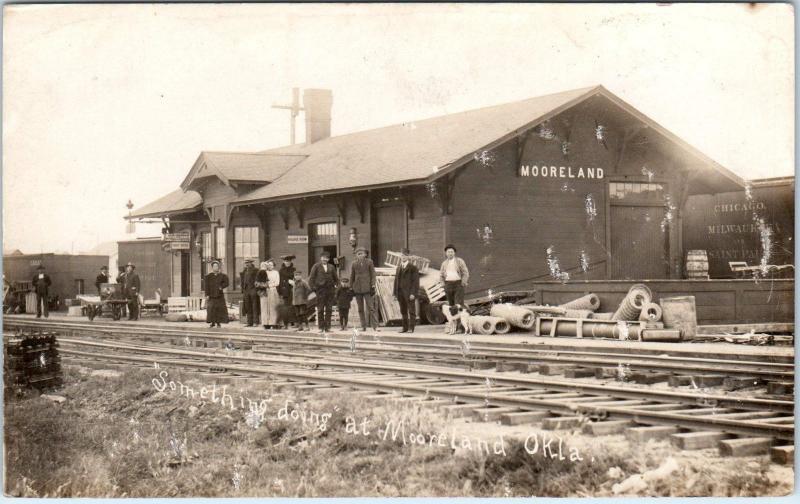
(501,325)
(514,315)
(587,302)
(481,324)
(651,312)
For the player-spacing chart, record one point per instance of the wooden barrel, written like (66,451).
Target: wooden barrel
(697,264)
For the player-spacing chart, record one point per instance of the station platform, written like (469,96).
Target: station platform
(430,334)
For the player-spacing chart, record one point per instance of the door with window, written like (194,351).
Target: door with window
(322,237)
(245,246)
(639,239)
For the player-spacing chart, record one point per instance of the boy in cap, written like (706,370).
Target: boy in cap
(300,294)
(344,296)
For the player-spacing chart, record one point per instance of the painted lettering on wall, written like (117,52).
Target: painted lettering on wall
(739,207)
(721,229)
(560,172)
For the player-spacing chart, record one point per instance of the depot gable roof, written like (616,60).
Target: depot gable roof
(422,151)
(176,202)
(240,167)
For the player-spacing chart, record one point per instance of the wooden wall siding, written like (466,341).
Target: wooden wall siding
(425,230)
(153,265)
(63,270)
(528,214)
(216,193)
(723,225)
(315,210)
(717,301)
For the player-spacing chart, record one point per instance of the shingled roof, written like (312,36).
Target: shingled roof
(175,202)
(245,167)
(405,153)
(410,153)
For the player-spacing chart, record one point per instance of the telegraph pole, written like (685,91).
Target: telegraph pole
(295,108)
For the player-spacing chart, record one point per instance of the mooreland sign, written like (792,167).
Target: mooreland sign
(560,172)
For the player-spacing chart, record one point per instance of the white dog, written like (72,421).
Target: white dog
(454,314)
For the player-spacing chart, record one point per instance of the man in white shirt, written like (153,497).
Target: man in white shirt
(455,276)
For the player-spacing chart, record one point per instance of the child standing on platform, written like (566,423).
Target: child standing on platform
(344,296)
(300,292)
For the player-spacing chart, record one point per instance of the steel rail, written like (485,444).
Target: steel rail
(638,414)
(679,350)
(767,370)
(722,401)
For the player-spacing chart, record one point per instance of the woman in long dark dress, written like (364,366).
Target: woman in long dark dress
(216,309)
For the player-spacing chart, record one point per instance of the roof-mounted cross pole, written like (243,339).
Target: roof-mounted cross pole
(295,108)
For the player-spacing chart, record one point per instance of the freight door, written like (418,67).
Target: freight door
(390,229)
(639,231)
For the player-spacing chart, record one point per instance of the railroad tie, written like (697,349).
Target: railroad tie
(738,383)
(680,381)
(698,440)
(501,366)
(744,447)
(643,434)
(780,388)
(491,414)
(578,372)
(523,417)
(783,455)
(606,428)
(647,377)
(564,422)
(552,369)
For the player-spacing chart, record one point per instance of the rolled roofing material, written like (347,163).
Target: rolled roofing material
(587,302)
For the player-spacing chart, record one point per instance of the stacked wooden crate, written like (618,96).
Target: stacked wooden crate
(31,360)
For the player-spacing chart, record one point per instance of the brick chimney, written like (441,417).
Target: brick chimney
(317,104)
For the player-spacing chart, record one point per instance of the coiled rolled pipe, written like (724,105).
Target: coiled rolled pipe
(514,315)
(632,304)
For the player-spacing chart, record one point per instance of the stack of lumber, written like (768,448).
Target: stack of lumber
(388,306)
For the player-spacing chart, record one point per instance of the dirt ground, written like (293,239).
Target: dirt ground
(127,432)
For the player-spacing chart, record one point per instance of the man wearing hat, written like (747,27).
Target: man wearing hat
(406,286)
(131,288)
(286,273)
(41,284)
(101,278)
(323,279)
(250,301)
(362,281)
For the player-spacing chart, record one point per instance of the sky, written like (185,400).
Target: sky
(108,103)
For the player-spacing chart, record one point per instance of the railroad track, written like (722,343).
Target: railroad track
(434,373)
(443,352)
(490,396)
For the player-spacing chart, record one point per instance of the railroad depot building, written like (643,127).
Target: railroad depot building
(576,185)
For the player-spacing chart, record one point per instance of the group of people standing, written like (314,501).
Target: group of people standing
(274,298)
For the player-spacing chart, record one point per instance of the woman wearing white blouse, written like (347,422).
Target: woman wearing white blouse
(267,281)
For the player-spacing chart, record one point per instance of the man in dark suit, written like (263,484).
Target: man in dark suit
(41,284)
(132,288)
(101,278)
(362,281)
(250,299)
(323,280)
(406,287)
